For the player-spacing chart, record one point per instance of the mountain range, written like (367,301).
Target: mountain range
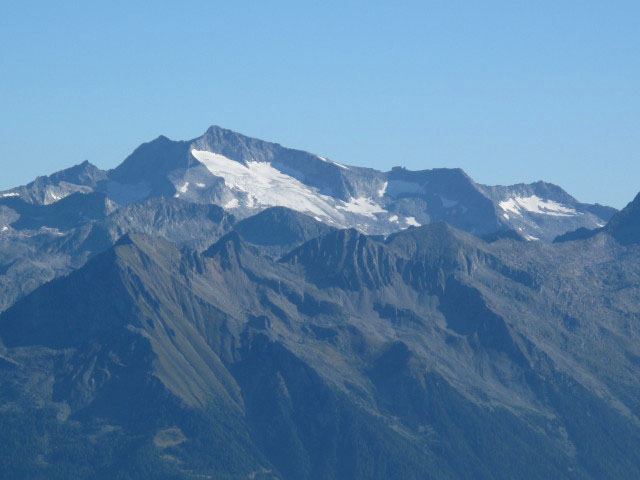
(230,308)
(245,175)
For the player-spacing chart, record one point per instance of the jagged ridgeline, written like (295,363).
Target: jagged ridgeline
(245,175)
(229,308)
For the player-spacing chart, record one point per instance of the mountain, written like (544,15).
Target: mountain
(230,308)
(246,175)
(429,354)
(71,211)
(83,178)
(625,225)
(42,242)
(277,230)
(542,211)
(182,223)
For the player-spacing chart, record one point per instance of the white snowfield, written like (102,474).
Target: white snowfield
(10,194)
(264,185)
(363,206)
(261,185)
(535,204)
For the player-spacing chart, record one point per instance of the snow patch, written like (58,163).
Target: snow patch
(233,203)
(505,216)
(10,194)
(383,189)
(535,204)
(531,238)
(331,161)
(5,228)
(341,166)
(411,221)
(200,185)
(184,188)
(362,206)
(393,218)
(54,196)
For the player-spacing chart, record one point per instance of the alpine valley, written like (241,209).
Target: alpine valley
(228,308)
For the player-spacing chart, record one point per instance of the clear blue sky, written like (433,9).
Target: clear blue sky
(511,91)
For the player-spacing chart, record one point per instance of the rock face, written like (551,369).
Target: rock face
(625,225)
(277,230)
(148,332)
